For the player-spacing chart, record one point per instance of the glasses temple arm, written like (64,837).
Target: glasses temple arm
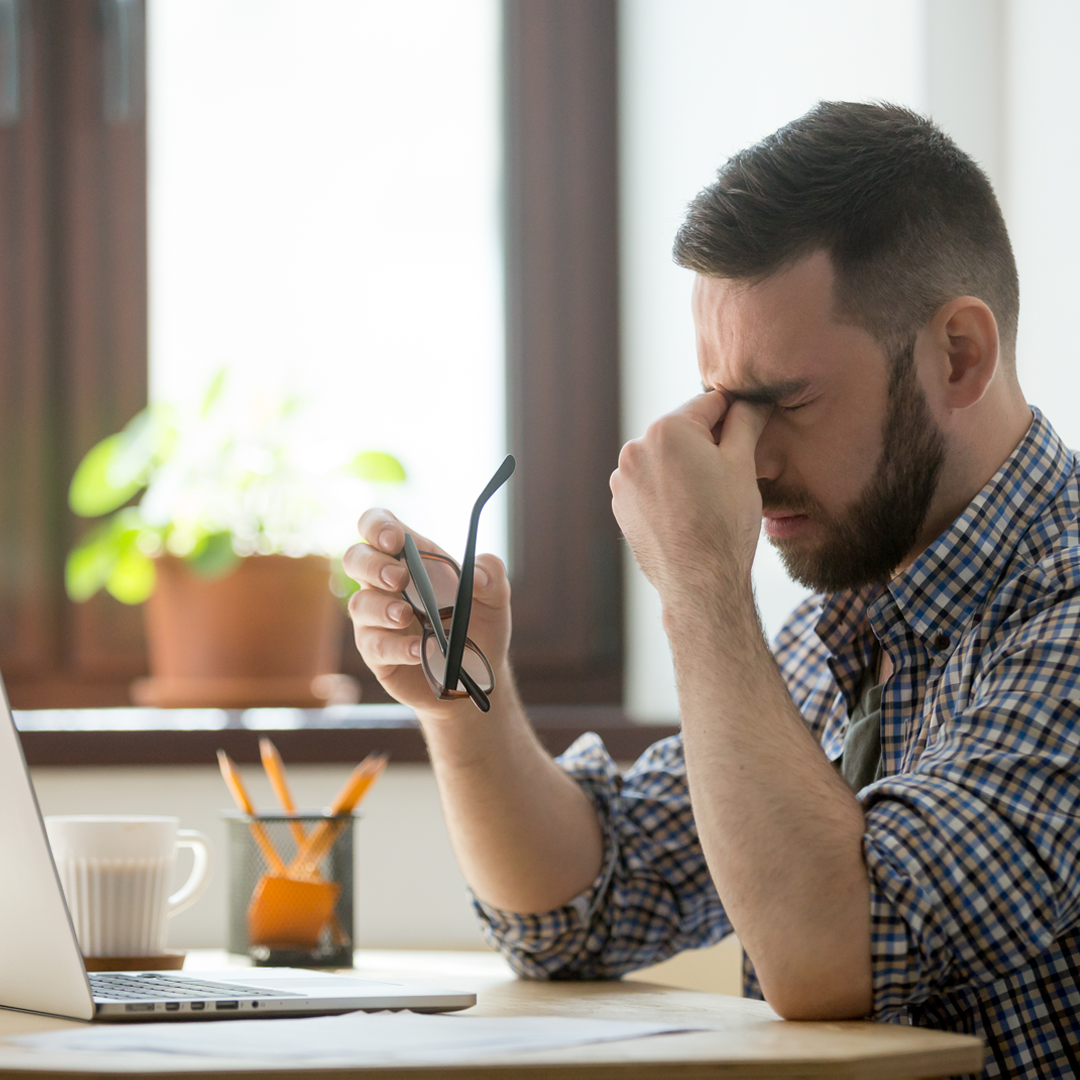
(418,573)
(459,623)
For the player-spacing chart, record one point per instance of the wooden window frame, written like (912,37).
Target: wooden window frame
(73,335)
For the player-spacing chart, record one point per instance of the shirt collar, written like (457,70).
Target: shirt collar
(938,594)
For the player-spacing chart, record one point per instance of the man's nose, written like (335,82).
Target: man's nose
(767,457)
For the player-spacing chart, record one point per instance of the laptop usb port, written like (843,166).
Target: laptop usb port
(172,1006)
(139,1006)
(197,1005)
(226,1004)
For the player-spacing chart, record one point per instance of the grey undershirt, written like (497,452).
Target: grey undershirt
(860,761)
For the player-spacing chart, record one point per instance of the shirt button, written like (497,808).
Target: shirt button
(941,642)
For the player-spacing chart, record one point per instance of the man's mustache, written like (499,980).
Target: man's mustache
(777,499)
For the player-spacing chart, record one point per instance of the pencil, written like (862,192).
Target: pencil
(243,801)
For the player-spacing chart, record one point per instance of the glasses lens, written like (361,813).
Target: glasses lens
(444,582)
(472,661)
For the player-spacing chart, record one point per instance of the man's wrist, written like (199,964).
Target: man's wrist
(458,733)
(714,611)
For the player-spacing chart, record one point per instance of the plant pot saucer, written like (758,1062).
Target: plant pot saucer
(245,691)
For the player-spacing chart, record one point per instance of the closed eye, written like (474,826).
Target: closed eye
(792,408)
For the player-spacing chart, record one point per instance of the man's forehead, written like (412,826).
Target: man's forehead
(763,341)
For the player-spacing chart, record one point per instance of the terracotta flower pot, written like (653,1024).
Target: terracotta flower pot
(268,633)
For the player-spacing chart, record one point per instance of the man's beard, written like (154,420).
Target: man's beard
(867,542)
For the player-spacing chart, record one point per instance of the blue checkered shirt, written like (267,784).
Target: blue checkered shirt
(973,833)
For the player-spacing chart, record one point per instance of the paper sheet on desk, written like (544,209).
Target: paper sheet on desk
(351,1039)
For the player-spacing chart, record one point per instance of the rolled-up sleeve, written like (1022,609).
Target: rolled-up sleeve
(974,856)
(653,896)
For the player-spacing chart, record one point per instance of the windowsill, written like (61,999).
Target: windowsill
(340,734)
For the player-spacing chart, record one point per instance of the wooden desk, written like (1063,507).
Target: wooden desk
(745,1039)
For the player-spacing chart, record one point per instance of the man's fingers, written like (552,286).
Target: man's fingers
(491,586)
(743,425)
(382,530)
(373,607)
(373,562)
(380,649)
(706,409)
(374,570)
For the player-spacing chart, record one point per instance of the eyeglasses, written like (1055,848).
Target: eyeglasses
(440,592)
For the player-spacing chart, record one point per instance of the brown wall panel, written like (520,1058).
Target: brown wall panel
(563,344)
(72,339)
(102,225)
(28,644)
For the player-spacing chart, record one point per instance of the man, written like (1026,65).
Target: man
(885,806)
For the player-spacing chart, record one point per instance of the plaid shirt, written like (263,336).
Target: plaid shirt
(973,833)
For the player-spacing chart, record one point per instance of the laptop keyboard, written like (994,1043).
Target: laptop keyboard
(115,986)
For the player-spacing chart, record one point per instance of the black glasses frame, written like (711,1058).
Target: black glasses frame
(453,646)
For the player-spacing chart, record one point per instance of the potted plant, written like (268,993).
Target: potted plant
(225,518)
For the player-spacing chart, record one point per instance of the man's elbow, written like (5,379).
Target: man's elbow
(821,995)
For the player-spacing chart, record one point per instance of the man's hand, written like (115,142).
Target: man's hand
(780,830)
(387,631)
(686,496)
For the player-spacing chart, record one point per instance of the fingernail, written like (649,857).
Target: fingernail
(414,649)
(388,540)
(396,612)
(392,576)
(480,578)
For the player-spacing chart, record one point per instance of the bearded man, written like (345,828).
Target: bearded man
(885,805)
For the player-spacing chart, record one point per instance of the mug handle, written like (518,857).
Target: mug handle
(199,877)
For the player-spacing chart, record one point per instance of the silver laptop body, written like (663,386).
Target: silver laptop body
(42,970)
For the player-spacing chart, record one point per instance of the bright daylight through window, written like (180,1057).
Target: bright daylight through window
(324,221)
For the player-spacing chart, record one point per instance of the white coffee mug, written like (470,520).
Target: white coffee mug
(115,871)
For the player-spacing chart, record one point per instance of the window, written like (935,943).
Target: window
(324,218)
(75,361)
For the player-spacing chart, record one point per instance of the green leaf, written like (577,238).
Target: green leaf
(120,465)
(213,555)
(86,570)
(94,563)
(133,577)
(378,467)
(95,488)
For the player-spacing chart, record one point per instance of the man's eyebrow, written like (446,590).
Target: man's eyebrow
(767,393)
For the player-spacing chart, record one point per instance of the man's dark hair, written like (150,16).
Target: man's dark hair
(909,220)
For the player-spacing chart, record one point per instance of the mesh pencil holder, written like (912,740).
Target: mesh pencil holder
(291,888)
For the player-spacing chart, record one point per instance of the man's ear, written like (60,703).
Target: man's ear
(962,347)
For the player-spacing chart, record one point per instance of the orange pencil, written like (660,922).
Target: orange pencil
(243,800)
(275,770)
(348,798)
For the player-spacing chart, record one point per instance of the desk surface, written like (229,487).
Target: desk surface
(745,1039)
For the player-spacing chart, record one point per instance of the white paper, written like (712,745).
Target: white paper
(350,1039)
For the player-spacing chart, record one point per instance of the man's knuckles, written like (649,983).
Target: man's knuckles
(630,457)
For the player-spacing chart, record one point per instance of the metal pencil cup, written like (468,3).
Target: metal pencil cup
(298,913)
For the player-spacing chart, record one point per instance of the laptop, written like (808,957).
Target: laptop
(42,969)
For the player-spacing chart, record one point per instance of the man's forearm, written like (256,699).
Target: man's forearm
(781,831)
(526,835)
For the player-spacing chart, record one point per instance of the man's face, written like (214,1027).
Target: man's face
(850,456)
